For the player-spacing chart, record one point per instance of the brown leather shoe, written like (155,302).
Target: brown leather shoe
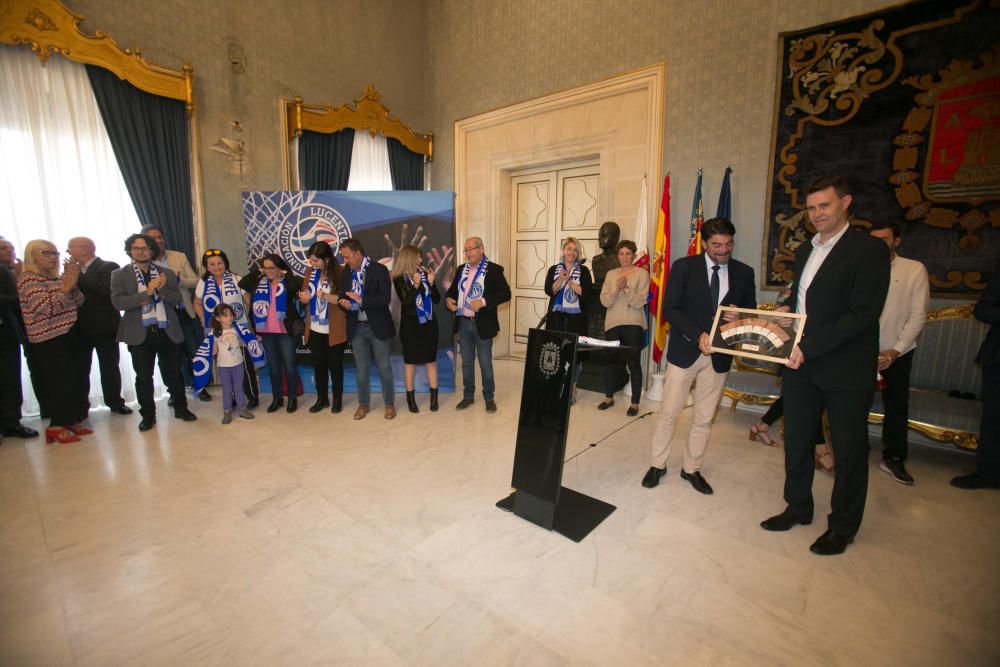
(361,412)
(390,412)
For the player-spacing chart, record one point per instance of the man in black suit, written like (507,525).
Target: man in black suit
(842,277)
(97,321)
(478,290)
(12,337)
(366,290)
(696,287)
(987,474)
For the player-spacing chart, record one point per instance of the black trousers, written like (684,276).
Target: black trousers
(108,356)
(59,362)
(896,399)
(847,412)
(157,346)
(11,397)
(631,335)
(37,381)
(777,409)
(988,452)
(327,361)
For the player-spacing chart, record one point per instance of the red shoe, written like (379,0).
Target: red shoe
(80,429)
(60,434)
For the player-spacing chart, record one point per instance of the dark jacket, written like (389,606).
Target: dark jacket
(293,284)
(843,304)
(688,307)
(374,303)
(575,323)
(408,296)
(97,316)
(11,322)
(496,292)
(987,310)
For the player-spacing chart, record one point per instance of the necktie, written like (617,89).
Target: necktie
(713,286)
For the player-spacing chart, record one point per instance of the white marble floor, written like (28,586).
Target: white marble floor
(314,539)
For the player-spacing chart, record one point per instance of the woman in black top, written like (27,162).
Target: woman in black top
(568,283)
(418,330)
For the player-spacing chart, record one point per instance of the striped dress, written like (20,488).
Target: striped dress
(48,313)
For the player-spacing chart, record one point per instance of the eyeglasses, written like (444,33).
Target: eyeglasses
(48,253)
(270,268)
(475,248)
(140,247)
(212,253)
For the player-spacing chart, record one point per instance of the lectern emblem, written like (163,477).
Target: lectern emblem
(548,359)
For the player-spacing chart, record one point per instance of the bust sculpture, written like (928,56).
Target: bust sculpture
(607,237)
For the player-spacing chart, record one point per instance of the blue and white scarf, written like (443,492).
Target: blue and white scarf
(568,301)
(153,313)
(425,310)
(262,301)
(319,312)
(229,293)
(358,283)
(470,291)
(201,365)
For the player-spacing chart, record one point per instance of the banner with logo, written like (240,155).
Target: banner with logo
(287,223)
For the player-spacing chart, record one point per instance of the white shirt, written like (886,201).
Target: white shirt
(229,346)
(905,309)
(723,277)
(820,251)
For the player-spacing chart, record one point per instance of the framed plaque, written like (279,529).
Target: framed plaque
(758,334)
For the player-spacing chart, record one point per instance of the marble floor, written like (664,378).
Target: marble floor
(313,539)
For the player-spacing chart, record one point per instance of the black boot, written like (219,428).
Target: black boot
(337,405)
(434,399)
(319,405)
(276,403)
(411,401)
(293,404)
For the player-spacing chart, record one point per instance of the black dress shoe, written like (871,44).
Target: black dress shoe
(20,431)
(464,403)
(337,404)
(276,403)
(491,406)
(252,403)
(185,414)
(830,544)
(319,405)
(971,481)
(293,405)
(653,476)
(784,521)
(121,410)
(147,423)
(203,395)
(698,482)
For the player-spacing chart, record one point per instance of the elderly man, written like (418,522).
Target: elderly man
(12,337)
(478,290)
(150,325)
(97,321)
(187,280)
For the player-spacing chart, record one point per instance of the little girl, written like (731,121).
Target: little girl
(229,362)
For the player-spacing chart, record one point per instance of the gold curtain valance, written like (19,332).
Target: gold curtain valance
(49,27)
(367,113)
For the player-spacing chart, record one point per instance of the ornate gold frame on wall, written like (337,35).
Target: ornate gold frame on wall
(48,27)
(367,113)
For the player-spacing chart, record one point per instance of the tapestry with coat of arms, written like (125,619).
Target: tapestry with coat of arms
(905,104)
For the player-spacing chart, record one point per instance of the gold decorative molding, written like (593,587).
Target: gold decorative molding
(961,439)
(367,113)
(49,27)
(963,312)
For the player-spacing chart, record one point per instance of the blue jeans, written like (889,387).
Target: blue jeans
(280,350)
(471,346)
(364,344)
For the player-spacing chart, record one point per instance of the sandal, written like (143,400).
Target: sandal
(605,404)
(824,461)
(760,431)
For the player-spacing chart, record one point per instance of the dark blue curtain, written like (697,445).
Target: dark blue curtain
(406,166)
(149,135)
(325,160)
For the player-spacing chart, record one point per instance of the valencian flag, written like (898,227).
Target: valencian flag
(658,281)
(725,207)
(697,219)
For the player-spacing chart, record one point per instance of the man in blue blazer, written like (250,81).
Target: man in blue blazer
(841,280)
(367,289)
(696,287)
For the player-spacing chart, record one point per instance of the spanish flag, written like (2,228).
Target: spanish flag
(661,267)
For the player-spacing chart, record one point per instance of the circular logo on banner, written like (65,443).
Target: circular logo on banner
(199,366)
(476,291)
(255,348)
(308,224)
(260,309)
(239,312)
(571,296)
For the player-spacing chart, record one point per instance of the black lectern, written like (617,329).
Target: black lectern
(541,442)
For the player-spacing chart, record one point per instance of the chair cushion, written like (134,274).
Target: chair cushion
(944,354)
(938,409)
(753,382)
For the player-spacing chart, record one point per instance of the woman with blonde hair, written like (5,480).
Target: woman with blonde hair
(418,330)
(568,283)
(48,303)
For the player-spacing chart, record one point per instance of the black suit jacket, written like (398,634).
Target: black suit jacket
(375,302)
(12,326)
(97,316)
(688,307)
(843,304)
(293,284)
(987,310)
(496,292)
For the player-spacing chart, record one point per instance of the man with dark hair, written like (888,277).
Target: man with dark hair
(842,277)
(695,289)
(474,296)
(150,327)
(97,321)
(366,289)
(901,322)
